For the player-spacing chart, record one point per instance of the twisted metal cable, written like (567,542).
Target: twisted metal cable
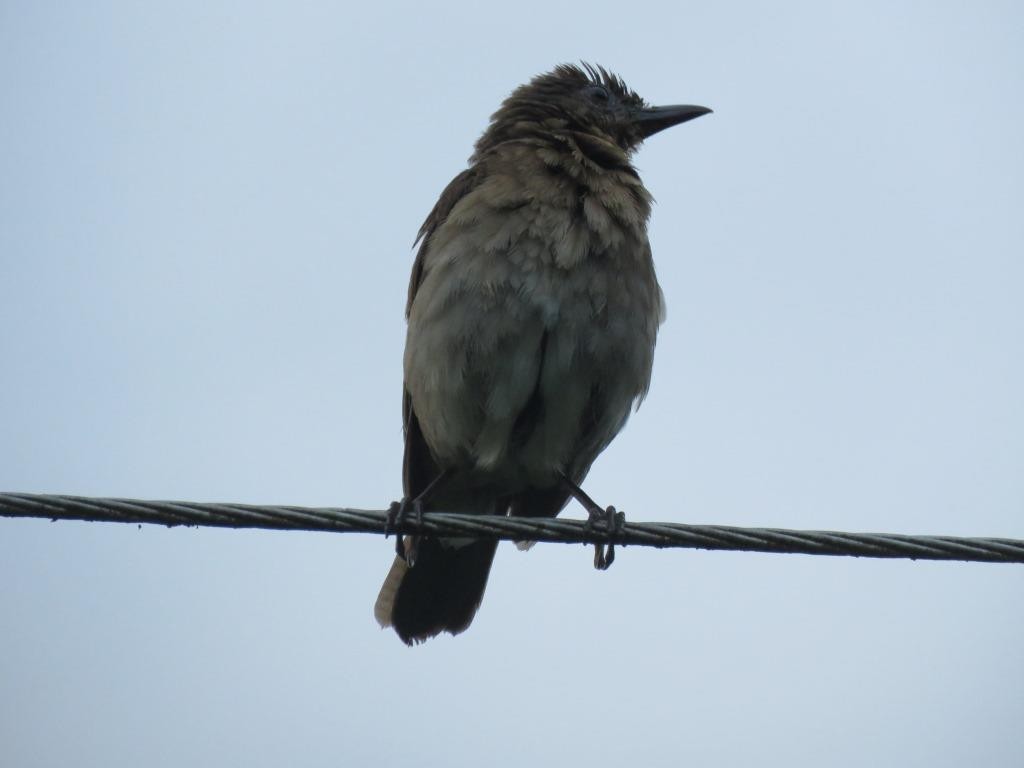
(661,535)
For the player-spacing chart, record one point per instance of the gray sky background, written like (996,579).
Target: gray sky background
(206,213)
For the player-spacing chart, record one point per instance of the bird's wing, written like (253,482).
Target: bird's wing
(418,466)
(457,188)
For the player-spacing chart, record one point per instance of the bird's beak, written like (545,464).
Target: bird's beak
(654,119)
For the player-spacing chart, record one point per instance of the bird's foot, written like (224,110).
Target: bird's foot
(405,548)
(610,522)
(395,517)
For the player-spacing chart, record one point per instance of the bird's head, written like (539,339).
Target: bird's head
(582,99)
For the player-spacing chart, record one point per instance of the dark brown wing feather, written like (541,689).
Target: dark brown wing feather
(457,188)
(418,466)
(442,592)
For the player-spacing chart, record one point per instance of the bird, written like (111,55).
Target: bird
(532,313)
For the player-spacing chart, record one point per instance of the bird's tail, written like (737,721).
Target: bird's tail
(440,592)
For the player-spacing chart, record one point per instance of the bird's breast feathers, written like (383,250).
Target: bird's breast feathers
(531,295)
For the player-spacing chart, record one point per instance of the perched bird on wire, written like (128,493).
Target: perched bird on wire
(533,309)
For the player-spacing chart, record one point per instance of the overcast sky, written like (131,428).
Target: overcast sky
(206,219)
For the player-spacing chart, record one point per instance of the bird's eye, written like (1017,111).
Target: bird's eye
(598,94)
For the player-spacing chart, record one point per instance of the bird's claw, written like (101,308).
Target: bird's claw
(610,521)
(395,517)
(405,548)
